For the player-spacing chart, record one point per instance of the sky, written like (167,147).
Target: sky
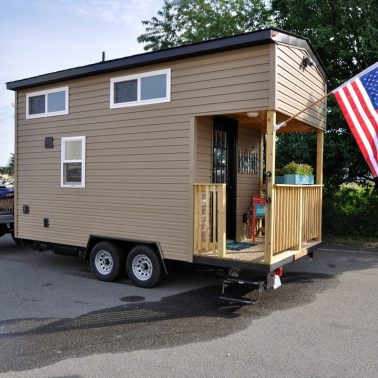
(42,36)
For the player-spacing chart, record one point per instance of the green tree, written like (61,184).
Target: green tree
(344,33)
(186,21)
(9,169)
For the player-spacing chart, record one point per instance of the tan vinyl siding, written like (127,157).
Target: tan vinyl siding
(204,150)
(297,87)
(247,184)
(138,181)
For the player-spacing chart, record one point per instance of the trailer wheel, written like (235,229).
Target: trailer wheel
(105,261)
(143,266)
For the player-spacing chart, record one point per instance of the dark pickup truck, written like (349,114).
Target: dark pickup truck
(6,210)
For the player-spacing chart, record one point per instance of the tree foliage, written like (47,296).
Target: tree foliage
(343,32)
(348,211)
(8,170)
(186,21)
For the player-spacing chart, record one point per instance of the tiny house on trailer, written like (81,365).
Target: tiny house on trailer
(157,156)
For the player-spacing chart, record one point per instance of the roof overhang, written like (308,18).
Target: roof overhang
(259,37)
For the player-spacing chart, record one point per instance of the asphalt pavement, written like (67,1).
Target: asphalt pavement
(57,320)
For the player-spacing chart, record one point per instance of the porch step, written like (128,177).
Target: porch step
(241,283)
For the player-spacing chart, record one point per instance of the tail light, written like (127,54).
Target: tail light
(279,271)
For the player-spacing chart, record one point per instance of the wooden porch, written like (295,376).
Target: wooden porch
(293,217)
(296,224)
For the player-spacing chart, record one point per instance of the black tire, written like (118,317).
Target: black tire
(105,261)
(143,266)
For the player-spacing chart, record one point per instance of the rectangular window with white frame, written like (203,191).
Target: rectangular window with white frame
(51,102)
(73,162)
(141,89)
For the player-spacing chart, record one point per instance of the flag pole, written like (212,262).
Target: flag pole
(283,124)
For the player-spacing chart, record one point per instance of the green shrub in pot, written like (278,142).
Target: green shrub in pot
(298,174)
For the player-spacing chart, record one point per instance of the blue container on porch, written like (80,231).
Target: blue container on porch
(298,180)
(279,180)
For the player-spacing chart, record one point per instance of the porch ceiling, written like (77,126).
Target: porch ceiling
(259,122)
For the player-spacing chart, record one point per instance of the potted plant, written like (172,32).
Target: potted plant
(279,177)
(298,174)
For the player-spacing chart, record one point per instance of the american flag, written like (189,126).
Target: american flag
(358,100)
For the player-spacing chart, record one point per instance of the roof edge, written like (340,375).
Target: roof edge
(255,38)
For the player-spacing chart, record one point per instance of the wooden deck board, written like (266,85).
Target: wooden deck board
(255,254)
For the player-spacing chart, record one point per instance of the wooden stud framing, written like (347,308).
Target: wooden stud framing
(270,167)
(210,219)
(319,175)
(221,191)
(293,214)
(300,221)
(192,172)
(197,219)
(296,216)
(262,137)
(207,217)
(319,157)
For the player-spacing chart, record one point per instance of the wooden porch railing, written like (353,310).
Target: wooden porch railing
(210,218)
(296,219)
(297,216)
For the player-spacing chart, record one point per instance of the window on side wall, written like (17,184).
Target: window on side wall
(141,89)
(47,103)
(73,162)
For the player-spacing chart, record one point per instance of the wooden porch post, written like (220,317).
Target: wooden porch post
(319,175)
(319,157)
(270,167)
(262,137)
(221,189)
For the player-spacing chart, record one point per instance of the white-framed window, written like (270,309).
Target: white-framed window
(73,162)
(141,89)
(47,103)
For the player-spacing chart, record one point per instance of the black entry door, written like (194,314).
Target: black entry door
(224,164)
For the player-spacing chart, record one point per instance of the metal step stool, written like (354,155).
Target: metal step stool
(241,283)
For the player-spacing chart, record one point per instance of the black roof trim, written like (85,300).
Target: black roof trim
(202,48)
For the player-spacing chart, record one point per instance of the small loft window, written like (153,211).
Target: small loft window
(73,162)
(47,103)
(141,89)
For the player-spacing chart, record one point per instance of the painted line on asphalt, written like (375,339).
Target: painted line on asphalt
(348,250)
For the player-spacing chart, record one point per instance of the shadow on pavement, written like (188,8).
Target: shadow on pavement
(179,319)
(193,316)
